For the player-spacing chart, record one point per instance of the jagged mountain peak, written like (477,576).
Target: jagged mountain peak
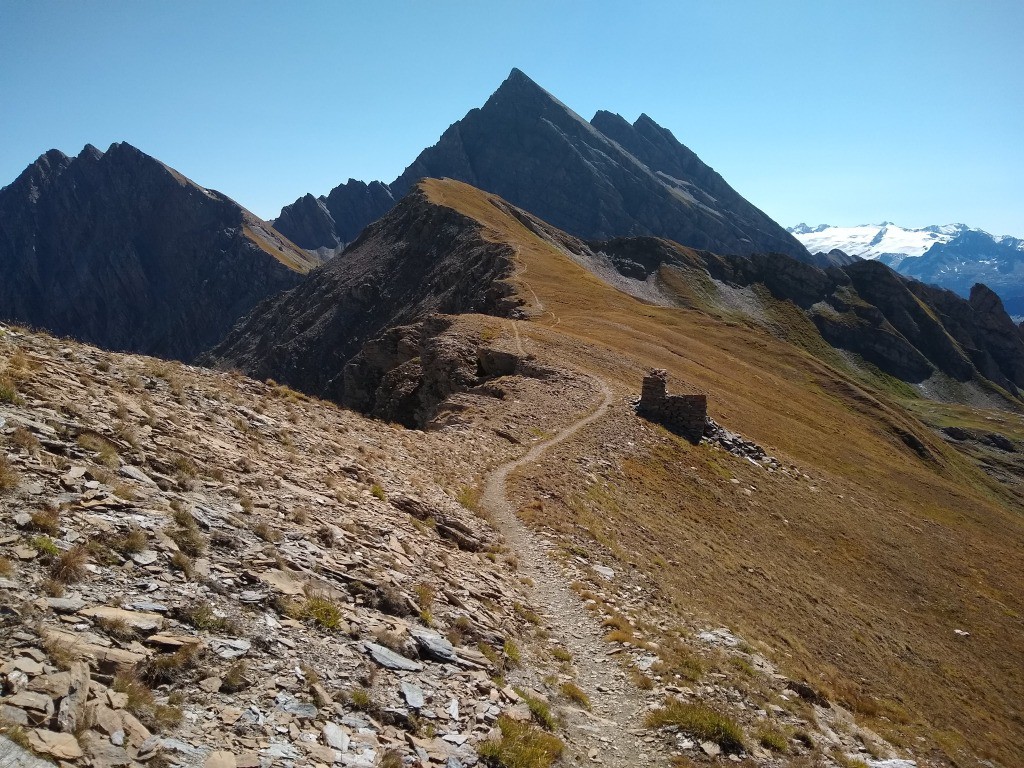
(119,249)
(597,179)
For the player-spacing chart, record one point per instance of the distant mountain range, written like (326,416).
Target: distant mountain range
(953,256)
(597,179)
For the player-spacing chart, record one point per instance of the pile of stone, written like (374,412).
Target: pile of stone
(716,434)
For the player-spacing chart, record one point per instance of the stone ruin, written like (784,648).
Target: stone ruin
(686,415)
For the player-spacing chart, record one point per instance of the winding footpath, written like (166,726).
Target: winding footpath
(611,734)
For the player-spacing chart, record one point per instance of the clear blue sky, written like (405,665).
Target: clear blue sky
(817,111)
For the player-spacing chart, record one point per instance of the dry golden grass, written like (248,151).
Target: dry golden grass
(856,576)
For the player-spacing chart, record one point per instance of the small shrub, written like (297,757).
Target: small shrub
(522,745)
(223,540)
(561,654)
(573,692)
(69,566)
(61,653)
(699,721)
(202,616)
(378,492)
(389,599)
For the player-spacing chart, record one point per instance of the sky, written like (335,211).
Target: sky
(821,111)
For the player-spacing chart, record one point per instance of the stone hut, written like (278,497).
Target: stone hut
(685,415)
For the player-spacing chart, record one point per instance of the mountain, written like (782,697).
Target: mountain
(953,256)
(891,492)
(117,249)
(424,257)
(595,180)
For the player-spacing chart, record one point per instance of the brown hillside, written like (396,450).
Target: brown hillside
(854,567)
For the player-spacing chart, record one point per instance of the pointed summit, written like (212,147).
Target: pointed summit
(599,179)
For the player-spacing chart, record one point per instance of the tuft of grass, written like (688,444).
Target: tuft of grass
(117,628)
(46,521)
(236,678)
(171,668)
(267,532)
(142,704)
(69,566)
(130,543)
(321,610)
(45,546)
(540,710)
(469,497)
(378,492)
(392,759)
(701,722)
(8,392)
(189,540)
(25,440)
(361,700)
(773,739)
(561,654)
(182,562)
(522,745)
(526,614)
(202,616)
(104,450)
(9,477)
(573,692)
(512,653)
(6,567)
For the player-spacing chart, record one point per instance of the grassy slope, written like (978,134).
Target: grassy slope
(857,576)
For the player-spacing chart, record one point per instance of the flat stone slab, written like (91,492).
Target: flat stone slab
(434,646)
(140,620)
(391,660)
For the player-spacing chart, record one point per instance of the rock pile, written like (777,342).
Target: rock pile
(715,434)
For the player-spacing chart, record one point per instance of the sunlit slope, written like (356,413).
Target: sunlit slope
(856,576)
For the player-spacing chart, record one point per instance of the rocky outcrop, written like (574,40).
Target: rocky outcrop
(422,258)
(121,251)
(601,179)
(410,372)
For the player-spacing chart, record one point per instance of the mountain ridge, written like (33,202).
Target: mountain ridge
(121,250)
(953,256)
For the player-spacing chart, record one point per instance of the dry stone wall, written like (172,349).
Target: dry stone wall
(685,415)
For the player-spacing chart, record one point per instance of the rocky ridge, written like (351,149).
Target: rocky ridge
(597,179)
(117,249)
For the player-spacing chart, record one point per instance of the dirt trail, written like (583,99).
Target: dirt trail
(611,734)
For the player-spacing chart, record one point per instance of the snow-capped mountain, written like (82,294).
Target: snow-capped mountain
(953,256)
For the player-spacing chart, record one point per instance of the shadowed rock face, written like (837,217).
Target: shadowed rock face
(421,258)
(596,180)
(119,250)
